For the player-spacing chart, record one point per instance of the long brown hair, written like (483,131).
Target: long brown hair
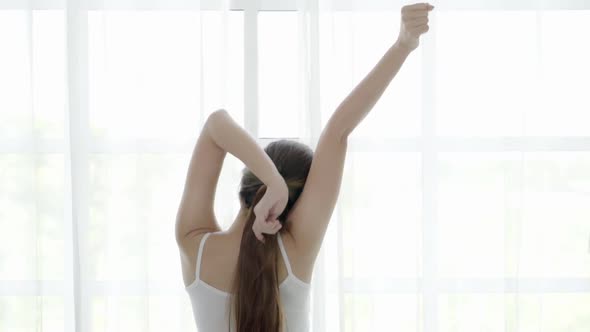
(256,301)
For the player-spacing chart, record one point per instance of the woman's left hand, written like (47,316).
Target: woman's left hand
(270,207)
(414,23)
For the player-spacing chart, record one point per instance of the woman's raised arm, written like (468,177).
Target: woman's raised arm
(355,107)
(311,213)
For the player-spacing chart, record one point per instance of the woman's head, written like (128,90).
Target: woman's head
(256,285)
(293,160)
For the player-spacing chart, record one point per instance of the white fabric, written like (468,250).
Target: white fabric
(211,306)
(465,199)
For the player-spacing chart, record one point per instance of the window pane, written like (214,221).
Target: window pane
(15,118)
(144,71)
(223,69)
(485,71)
(32,210)
(141,313)
(31,313)
(133,308)
(555,233)
(551,312)
(381,312)
(471,312)
(500,215)
(381,212)
(49,81)
(562,105)
(472,205)
(33,90)
(346,60)
(278,51)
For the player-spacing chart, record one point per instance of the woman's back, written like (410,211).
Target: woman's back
(214,267)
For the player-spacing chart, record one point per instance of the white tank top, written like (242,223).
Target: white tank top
(211,305)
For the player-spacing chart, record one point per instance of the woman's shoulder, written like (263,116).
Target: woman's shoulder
(300,266)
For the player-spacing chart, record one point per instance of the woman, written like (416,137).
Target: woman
(255,276)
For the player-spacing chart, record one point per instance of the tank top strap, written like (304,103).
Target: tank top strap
(284,253)
(200,254)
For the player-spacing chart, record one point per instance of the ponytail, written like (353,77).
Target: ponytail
(256,301)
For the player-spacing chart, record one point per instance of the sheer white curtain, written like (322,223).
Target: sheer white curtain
(465,204)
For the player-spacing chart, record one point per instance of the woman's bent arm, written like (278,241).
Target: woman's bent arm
(232,138)
(220,134)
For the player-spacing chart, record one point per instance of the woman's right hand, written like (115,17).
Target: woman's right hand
(268,209)
(414,22)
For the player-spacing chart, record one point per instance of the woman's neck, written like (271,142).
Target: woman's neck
(237,227)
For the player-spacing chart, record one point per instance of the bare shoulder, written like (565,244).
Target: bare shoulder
(189,244)
(301,266)
(188,247)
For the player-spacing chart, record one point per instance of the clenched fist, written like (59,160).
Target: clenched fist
(268,209)
(414,22)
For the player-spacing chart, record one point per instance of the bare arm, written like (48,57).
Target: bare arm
(219,135)
(355,107)
(312,212)
(232,138)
